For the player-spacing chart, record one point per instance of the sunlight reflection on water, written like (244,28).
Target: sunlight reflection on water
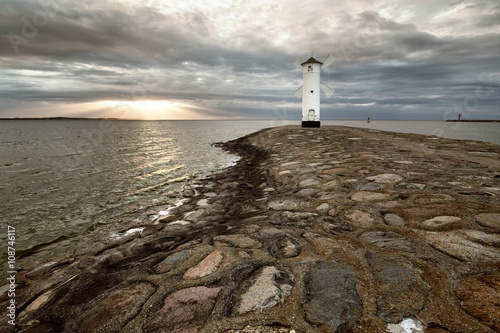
(62,181)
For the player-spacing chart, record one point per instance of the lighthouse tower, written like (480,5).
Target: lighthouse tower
(310,90)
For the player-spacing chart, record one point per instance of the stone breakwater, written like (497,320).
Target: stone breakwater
(314,230)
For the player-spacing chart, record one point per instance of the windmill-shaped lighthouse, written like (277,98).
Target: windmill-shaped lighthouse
(310,89)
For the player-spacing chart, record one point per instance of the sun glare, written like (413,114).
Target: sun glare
(149,109)
(153,105)
(138,109)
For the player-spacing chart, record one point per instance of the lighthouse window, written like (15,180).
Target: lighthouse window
(312,91)
(309,68)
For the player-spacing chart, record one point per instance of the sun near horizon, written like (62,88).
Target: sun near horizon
(147,109)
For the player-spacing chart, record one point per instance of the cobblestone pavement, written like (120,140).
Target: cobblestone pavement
(315,230)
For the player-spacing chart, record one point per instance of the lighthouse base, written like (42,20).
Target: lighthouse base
(310,123)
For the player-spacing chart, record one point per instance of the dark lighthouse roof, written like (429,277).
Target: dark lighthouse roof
(311,61)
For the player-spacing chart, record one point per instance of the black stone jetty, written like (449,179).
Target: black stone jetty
(330,229)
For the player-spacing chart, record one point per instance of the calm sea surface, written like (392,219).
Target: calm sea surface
(64,181)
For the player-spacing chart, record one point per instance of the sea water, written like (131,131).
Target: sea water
(480,131)
(63,181)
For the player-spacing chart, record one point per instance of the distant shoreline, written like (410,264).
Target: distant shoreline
(472,121)
(128,119)
(373,120)
(60,118)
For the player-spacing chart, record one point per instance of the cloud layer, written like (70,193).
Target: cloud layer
(234,59)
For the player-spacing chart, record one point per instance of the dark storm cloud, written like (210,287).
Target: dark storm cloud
(82,52)
(96,36)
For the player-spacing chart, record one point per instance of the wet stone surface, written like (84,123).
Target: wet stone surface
(117,309)
(207,266)
(184,310)
(172,261)
(331,229)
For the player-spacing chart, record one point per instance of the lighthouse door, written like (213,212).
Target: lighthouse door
(311,115)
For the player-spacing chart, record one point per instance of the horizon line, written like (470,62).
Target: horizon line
(229,119)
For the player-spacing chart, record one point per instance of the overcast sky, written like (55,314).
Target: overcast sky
(152,59)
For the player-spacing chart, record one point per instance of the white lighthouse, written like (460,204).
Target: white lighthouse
(310,89)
